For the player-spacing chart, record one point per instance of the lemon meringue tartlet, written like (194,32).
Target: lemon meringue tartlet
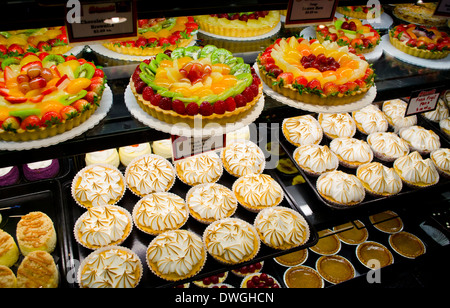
(202,168)
(420,139)
(300,130)
(370,119)
(340,188)
(315,159)
(176,255)
(336,125)
(351,152)
(387,146)
(243,157)
(379,180)
(231,240)
(416,171)
(395,111)
(281,228)
(255,192)
(441,160)
(159,212)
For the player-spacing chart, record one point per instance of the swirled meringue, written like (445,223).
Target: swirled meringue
(441,112)
(420,139)
(340,188)
(300,130)
(370,119)
(441,159)
(395,112)
(351,152)
(203,168)
(243,157)
(444,125)
(387,146)
(416,171)
(315,159)
(336,125)
(379,180)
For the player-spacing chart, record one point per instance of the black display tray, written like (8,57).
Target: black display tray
(139,241)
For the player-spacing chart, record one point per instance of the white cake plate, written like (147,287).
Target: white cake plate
(99,114)
(443,64)
(184,129)
(250,38)
(75,50)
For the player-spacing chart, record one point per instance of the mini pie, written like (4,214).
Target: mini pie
(387,146)
(211,281)
(352,235)
(336,125)
(148,174)
(202,168)
(293,258)
(370,119)
(441,112)
(420,139)
(340,188)
(175,255)
(351,152)
(243,157)
(395,110)
(416,171)
(35,231)
(263,281)
(328,244)
(98,184)
(444,125)
(374,255)
(231,241)
(407,244)
(210,202)
(379,180)
(335,269)
(38,270)
(387,221)
(302,277)
(441,160)
(159,212)
(315,159)
(281,228)
(300,130)
(257,191)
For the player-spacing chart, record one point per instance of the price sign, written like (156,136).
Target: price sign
(422,101)
(310,12)
(101,21)
(443,8)
(184,147)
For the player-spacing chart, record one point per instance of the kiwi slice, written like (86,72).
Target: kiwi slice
(25,112)
(85,70)
(66,100)
(9,61)
(51,60)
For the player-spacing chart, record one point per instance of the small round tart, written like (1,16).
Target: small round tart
(176,255)
(420,139)
(360,11)
(240,24)
(260,280)
(363,38)
(354,232)
(340,188)
(255,192)
(351,152)
(335,269)
(374,255)
(148,174)
(220,286)
(420,41)
(109,156)
(210,202)
(243,157)
(300,130)
(379,180)
(196,86)
(248,269)
(419,13)
(407,244)
(157,35)
(281,228)
(387,146)
(395,110)
(302,277)
(159,212)
(328,244)
(370,119)
(441,160)
(199,169)
(44,98)
(441,112)
(335,125)
(130,152)
(293,258)
(98,184)
(103,225)
(444,125)
(315,159)
(315,73)
(416,171)
(210,281)
(110,267)
(231,241)
(387,221)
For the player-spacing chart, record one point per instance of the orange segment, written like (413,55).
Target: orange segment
(166,63)
(303,49)
(317,49)
(77,85)
(352,64)
(51,105)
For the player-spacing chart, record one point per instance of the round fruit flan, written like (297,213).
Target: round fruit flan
(359,11)
(46,40)
(157,35)
(241,24)
(315,73)
(363,38)
(40,98)
(205,84)
(420,41)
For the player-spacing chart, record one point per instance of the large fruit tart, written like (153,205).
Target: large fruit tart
(420,41)
(157,35)
(242,24)
(50,40)
(349,32)
(206,83)
(359,11)
(315,73)
(43,97)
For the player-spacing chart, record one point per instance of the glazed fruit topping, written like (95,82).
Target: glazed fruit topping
(250,269)
(320,62)
(262,281)
(242,16)
(214,279)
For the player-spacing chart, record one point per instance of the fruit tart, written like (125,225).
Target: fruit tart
(49,40)
(241,24)
(350,32)
(157,35)
(44,96)
(359,11)
(206,84)
(315,73)
(420,41)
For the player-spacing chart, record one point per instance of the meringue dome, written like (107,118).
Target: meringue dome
(387,146)
(340,188)
(416,171)
(420,139)
(336,125)
(379,180)
(243,157)
(315,159)
(441,159)
(202,168)
(395,112)
(351,152)
(441,112)
(370,119)
(444,125)
(302,130)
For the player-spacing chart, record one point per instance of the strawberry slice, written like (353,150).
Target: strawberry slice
(36,99)
(9,73)
(25,68)
(63,82)
(49,90)
(15,99)
(4,92)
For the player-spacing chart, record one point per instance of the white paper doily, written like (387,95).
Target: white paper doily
(99,48)
(75,50)
(99,114)
(184,129)
(443,64)
(384,23)
(251,38)
(310,33)
(366,100)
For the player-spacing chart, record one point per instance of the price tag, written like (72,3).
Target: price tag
(422,101)
(101,21)
(443,8)
(310,12)
(184,147)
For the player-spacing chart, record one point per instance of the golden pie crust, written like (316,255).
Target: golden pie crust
(328,244)
(422,14)
(387,221)
(293,258)
(371,254)
(302,277)
(407,244)
(335,269)
(355,232)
